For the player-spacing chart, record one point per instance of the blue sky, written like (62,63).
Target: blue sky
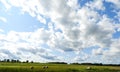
(52,30)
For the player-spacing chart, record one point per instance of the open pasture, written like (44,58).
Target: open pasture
(39,67)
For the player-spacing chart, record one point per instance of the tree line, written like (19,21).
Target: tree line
(16,61)
(27,61)
(97,64)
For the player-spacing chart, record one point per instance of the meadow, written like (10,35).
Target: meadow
(38,67)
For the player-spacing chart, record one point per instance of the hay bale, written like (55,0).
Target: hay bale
(45,67)
(88,68)
(31,67)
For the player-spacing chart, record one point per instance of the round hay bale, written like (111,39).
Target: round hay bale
(88,68)
(31,67)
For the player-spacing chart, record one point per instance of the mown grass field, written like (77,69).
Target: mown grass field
(38,67)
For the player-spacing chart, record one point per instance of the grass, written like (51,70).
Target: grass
(38,67)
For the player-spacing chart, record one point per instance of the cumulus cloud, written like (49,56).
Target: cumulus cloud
(116,3)
(8,54)
(7,6)
(1,30)
(3,19)
(82,57)
(15,45)
(72,28)
(97,51)
(118,30)
(96,4)
(49,57)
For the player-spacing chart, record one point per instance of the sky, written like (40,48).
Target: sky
(60,30)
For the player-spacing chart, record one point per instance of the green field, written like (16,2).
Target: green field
(38,67)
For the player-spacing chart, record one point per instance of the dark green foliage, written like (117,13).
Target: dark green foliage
(57,63)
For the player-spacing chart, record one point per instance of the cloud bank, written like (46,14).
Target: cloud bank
(73,27)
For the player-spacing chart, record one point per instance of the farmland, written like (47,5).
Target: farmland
(38,67)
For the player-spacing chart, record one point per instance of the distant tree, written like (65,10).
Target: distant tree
(98,64)
(75,63)
(17,61)
(32,62)
(7,60)
(57,62)
(13,60)
(86,63)
(27,61)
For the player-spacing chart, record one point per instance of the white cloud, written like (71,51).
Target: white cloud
(41,19)
(7,6)
(82,57)
(17,44)
(1,30)
(96,4)
(115,46)
(3,19)
(118,29)
(73,4)
(115,2)
(118,16)
(98,51)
